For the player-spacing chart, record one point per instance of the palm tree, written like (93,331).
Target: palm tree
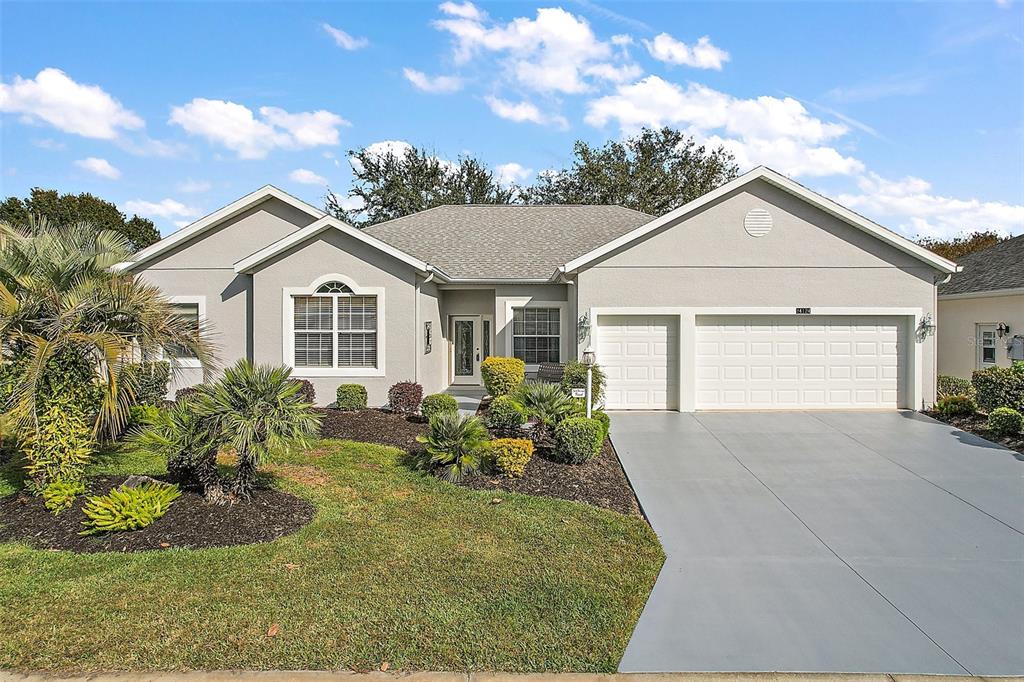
(455,443)
(256,409)
(60,297)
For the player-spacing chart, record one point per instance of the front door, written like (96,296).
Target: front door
(466,349)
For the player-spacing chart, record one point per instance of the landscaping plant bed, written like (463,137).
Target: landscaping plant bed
(978,425)
(372,426)
(190,522)
(601,482)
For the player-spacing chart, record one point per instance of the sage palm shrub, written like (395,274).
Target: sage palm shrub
(455,444)
(546,403)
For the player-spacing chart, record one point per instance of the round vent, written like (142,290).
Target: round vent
(758,222)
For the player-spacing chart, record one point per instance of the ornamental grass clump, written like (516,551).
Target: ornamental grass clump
(128,508)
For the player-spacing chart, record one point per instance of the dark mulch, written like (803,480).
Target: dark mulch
(978,425)
(601,482)
(191,522)
(371,426)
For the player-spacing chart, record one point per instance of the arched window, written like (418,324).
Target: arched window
(335,328)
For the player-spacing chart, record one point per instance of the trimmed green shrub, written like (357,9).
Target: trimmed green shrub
(948,386)
(405,397)
(151,381)
(1000,387)
(956,406)
(437,403)
(125,508)
(502,375)
(306,391)
(60,495)
(455,444)
(351,397)
(511,455)
(606,422)
(577,440)
(60,446)
(575,376)
(505,414)
(187,393)
(1005,421)
(143,415)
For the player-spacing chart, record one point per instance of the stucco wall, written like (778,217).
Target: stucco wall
(809,259)
(205,267)
(332,252)
(956,330)
(433,369)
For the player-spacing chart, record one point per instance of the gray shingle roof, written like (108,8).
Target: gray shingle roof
(997,267)
(481,241)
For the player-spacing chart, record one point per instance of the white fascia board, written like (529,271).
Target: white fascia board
(212,220)
(313,229)
(784,183)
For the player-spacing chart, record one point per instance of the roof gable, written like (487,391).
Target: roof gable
(784,183)
(997,268)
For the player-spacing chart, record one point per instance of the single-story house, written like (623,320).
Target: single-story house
(758,295)
(981,311)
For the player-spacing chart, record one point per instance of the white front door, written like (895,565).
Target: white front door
(466,349)
(986,344)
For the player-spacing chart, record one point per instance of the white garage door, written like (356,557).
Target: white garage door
(640,356)
(797,362)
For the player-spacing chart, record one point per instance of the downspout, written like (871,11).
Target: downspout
(416,328)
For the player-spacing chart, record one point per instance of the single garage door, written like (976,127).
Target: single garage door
(798,362)
(640,357)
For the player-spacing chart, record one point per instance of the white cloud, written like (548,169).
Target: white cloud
(344,40)
(166,209)
(190,186)
(911,206)
(54,98)
(435,84)
(622,39)
(396,148)
(235,127)
(703,55)
(100,167)
(465,10)
(615,74)
(305,176)
(524,112)
(511,173)
(551,53)
(49,144)
(763,130)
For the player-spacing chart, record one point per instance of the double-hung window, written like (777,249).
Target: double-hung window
(189,314)
(335,328)
(536,335)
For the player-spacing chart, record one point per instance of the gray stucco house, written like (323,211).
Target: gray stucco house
(758,295)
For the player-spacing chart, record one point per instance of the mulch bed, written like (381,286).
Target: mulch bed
(978,425)
(601,482)
(191,522)
(372,426)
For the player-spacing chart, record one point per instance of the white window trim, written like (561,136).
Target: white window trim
(288,329)
(563,320)
(979,352)
(191,300)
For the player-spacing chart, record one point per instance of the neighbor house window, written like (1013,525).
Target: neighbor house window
(335,328)
(536,335)
(189,313)
(986,345)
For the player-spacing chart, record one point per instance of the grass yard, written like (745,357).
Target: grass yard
(396,566)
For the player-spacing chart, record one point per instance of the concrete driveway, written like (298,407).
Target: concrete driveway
(878,542)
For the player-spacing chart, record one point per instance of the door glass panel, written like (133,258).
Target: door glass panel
(463,348)
(487,339)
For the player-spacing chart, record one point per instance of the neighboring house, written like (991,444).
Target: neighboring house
(981,310)
(758,295)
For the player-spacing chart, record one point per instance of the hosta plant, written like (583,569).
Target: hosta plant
(125,508)
(455,444)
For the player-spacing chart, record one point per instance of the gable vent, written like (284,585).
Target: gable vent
(757,222)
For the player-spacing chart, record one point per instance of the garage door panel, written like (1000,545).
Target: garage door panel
(640,358)
(786,362)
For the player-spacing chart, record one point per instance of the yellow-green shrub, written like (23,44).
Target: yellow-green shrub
(577,440)
(60,446)
(60,495)
(502,375)
(125,508)
(351,397)
(511,455)
(1005,421)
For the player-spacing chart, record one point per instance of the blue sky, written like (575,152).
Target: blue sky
(911,113)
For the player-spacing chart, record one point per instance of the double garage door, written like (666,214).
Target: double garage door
(755,362)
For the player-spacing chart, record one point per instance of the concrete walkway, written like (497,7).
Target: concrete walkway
(834,542)
(468,397)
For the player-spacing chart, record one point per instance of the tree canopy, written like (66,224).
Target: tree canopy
(959,246)
(654,171)
(69,209)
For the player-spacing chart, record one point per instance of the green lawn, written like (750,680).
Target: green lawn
(396,567)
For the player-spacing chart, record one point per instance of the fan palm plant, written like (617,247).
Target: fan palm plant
(61,297)
(256,409)
(546,403)
(455,443)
